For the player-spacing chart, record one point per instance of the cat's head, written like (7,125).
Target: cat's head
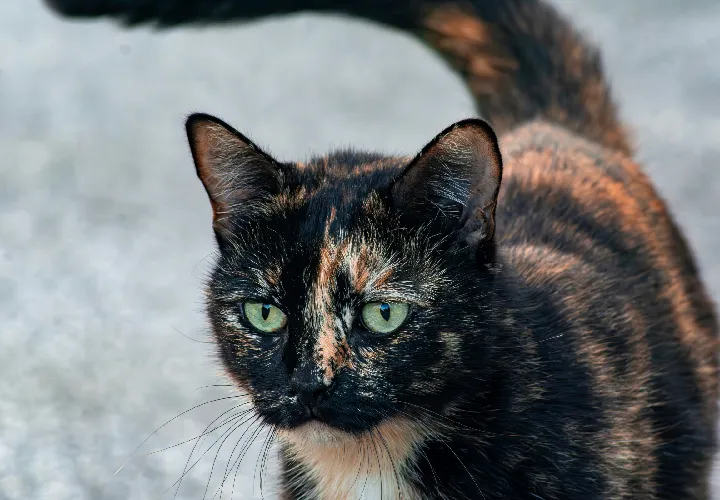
(352,289)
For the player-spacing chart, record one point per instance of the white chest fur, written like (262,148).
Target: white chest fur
(374,466)
(374,487)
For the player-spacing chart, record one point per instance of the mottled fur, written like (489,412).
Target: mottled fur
(561,344)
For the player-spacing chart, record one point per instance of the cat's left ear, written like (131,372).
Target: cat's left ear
(454,182)
(237,175)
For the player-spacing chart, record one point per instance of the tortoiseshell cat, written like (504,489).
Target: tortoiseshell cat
(462,324)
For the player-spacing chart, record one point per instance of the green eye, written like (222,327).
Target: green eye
(384,317)
(264,317)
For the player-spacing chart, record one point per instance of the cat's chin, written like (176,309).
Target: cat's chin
(316,433)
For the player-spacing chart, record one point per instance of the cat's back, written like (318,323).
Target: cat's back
(565,192)
(582,229)
(572,212)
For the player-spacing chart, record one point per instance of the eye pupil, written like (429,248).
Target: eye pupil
(385,311)
(265,311)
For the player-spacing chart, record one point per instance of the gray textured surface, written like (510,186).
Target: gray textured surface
(104,229)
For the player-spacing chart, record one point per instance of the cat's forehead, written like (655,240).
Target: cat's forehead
(339,192)
(332,228)
(325,201)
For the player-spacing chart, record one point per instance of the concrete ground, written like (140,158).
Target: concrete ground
(105,231)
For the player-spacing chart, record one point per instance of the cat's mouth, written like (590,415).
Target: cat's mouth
(315,421)
(319,414)
(320,425)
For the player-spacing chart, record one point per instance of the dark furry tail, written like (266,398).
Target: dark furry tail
(520,58)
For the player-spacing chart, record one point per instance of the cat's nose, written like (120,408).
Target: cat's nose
(308,385)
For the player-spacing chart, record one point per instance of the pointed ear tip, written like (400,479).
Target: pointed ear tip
(192,124)
(195,119)
(478,124)
(200,126)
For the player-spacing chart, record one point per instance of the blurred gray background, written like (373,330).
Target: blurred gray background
(105,232)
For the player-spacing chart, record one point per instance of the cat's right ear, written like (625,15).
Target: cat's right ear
(237,175)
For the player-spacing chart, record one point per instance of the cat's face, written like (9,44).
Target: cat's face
(346,288)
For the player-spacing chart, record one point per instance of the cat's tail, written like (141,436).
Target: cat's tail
(521,59)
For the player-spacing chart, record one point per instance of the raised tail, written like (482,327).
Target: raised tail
(521,59)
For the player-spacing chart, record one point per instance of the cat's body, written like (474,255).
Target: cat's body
(558,342)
